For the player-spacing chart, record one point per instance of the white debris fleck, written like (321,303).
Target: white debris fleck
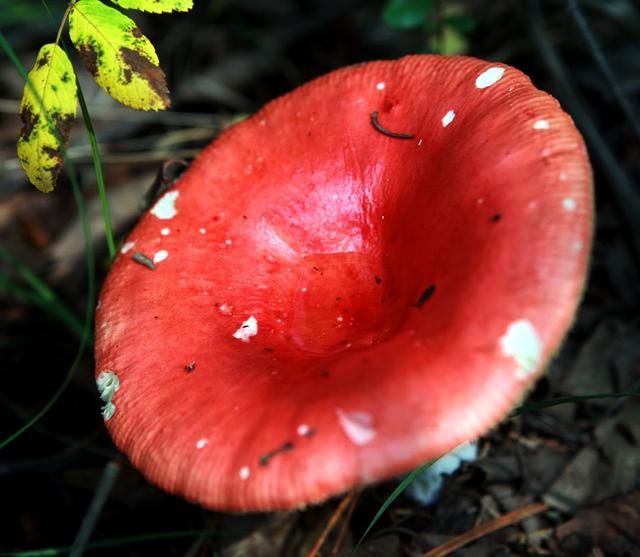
(569,204)
(426,487)
(202,230)
(522,343)
(245,472)
(339,319)
(108,384)
(225,309)
(419,142)
(228,242)
(201,443)
(448,118)
(160,255)
(165,207)
(541,125)
(108,410)
(247,330)
(358,426)
(303,430)
(380,86)
(127,246)
(165,232)
(488,77)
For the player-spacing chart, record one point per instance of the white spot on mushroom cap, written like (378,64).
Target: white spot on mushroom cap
(225,309)
(108,384)
(244,473)
(303,430)
(108,410)
(165,207)
(541,125)
(569,204)
(380,86)
(522,343)
(202,230)
(448,118)
(165,232)
(247,330)
(160,255)
(488,77)
(127,246)
(201,443)
(358,426)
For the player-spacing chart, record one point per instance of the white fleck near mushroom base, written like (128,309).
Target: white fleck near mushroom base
(367,273)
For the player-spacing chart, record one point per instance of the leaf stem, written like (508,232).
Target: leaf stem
(65,16)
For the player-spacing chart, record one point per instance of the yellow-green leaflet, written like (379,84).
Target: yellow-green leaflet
(118,55)
(47,111)
(156,6)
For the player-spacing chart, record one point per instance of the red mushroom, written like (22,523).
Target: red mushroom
(370,271)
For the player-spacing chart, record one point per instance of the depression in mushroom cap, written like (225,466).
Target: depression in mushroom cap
(359,298)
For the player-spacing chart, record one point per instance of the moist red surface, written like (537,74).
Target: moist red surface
(328,232)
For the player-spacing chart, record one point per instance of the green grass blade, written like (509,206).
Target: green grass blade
(394,495)
(97,165)
(39,295)
(539,405)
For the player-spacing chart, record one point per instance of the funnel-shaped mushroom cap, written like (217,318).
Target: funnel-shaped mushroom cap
(332,303)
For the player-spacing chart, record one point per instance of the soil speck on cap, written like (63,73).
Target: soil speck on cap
(426,295)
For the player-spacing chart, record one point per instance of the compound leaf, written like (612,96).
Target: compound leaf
(120,58)
(156,6)
(47,110)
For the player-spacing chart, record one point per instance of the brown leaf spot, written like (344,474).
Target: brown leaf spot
(63,125)
(127,75)
(89,58)
(42,61)
(29,121)
(152,74)
(57,165)
(136,32)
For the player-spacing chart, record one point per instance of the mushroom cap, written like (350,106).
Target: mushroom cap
(332,306)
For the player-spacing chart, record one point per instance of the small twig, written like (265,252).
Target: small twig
(143,260)
(105,484)
(379,127)
(485,529)
(344,527)
(330,525)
